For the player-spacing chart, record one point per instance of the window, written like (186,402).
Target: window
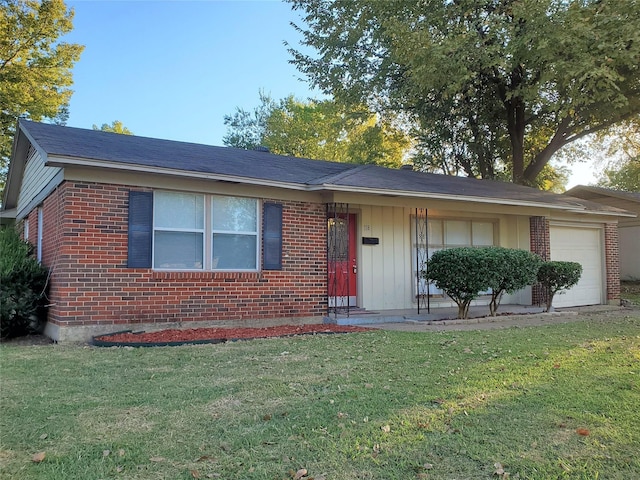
(451,233)
(178,231)
(197,232)
(234,233)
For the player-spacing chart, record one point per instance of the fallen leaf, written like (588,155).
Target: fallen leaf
(583,431)
(156,459)
(267,417)
(206,457)
(38,457)
(385,428)
(105,453)
(300,473)
(556,365)
(194,473)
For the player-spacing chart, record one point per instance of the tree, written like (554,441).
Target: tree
(556,277)
(508,270)
(502,84)
(35,67)
(116,127)
(323,130)
(623,169)
(461,272)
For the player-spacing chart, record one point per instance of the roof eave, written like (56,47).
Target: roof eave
(578,208)
(59,161)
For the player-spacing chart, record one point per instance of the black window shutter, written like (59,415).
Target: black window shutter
(140,229)
(272,236)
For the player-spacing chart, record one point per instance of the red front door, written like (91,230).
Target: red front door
(342,267)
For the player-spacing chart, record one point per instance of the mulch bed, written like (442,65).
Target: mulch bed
(173,337)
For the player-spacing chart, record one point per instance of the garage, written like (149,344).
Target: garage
(583,245)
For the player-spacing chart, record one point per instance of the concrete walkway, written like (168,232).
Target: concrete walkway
(442,319)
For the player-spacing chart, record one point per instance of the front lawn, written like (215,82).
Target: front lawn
(559,401)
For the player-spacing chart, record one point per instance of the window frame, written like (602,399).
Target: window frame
(207,233)
(255,234)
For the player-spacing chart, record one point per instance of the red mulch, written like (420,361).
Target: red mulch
(199,334)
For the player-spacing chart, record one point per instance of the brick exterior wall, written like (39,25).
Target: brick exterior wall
(86,246)
(612,261)
(540,244)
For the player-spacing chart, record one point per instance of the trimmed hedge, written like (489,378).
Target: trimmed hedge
(464,272)
(509,270)
(555,277)
(23,283)
(460,272)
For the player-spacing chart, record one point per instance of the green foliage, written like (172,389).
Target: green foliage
(556,277)
(116,127)
(323,130)
(35,66)
(491,87)
(624,176)
(22,286)
(464,272)
(461,272)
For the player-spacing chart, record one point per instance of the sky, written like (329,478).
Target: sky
(173,69)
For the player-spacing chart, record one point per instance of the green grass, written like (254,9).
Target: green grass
(630,291)
(379,405)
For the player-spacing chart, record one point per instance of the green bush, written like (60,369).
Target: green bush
(460,272)
(509,270)
(22,287)
(464,272)
(556,277)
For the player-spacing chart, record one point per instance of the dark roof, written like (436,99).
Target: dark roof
(66,144)
(599,192)
(61,141)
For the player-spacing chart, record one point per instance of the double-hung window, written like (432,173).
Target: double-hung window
(205,232)
(234,239)
(178,236)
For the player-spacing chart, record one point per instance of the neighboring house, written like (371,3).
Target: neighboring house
(144,233)
(628,228)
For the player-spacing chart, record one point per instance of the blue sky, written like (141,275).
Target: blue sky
(173,69)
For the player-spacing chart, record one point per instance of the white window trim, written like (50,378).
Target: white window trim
(40,234)
(208,232)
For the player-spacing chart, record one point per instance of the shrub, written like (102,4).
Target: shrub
(555,277)
(460,272)
(22,286)
(509,270)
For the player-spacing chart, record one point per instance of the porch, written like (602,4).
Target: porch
(435,316)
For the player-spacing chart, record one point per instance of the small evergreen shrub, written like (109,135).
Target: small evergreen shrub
(22,287)
(555,277)
(464,272)
(460,272)
(509,270)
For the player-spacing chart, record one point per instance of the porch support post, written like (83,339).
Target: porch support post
(540,244)
(422,255)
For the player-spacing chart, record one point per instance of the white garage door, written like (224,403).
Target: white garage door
(582,245)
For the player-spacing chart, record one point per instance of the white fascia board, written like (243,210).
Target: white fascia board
(465,198)
(55,161)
